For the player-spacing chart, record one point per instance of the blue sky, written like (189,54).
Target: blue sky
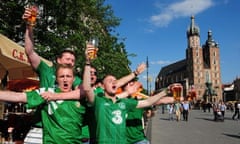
(157,29)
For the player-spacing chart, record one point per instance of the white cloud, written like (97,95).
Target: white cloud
(161,62)
(183,8)
(149,30)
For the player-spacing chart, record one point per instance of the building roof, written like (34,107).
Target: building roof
(174,68)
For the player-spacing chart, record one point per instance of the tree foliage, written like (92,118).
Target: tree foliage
(69,24)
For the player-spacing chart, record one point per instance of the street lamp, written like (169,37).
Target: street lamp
(150,81)
(147,75)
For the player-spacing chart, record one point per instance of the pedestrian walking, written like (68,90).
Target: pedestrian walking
(222,108)
(209,105)
(171,111)
(178,110)
(186,108)
(236,110)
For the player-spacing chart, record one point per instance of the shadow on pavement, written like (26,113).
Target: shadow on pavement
(211,119)
(228,118)
(167,119)
(232,135)
(207,119)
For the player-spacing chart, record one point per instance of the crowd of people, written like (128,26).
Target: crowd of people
(219,109)
(178,109)
(70,109)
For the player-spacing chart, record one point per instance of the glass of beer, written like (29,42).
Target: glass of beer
(176,90)
(92,53)
(34,11)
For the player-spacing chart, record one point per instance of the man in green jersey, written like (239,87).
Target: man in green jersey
(45,72)
(89,133)
(90,127)
(62,120)
(110,111)
(134,122)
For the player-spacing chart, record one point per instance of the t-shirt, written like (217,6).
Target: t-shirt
(47,79)
(111,119)
(89,128)
(186,106)
(178,107)
(135,130)
(222,107)
(238,105)
(62,120)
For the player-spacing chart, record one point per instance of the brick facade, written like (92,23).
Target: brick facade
(199,71)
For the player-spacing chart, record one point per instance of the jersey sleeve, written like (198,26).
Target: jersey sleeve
(99,92)
(42,67)
(131,103)
(34,99)
(46,75)
(77,81)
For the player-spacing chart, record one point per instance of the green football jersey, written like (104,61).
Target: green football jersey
(111,119)
(89,129)
(47,78)
(62,120)
(135,130)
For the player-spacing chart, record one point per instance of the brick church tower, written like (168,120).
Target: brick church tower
(199,71)
(203,64)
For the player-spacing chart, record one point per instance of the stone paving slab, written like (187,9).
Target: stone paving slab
(199,129)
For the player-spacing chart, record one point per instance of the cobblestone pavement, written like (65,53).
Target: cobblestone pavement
(199,129)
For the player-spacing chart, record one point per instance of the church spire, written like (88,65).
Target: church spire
(193,29)
(210,41)
(192,23)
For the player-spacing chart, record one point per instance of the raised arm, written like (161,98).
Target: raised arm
(87,84)
(34,58)
(151,100)
(122,81)
(88,90)
(73,95)
(165,100)
(10,96)
(130,89)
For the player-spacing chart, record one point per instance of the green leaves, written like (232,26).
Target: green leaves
(70,23)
